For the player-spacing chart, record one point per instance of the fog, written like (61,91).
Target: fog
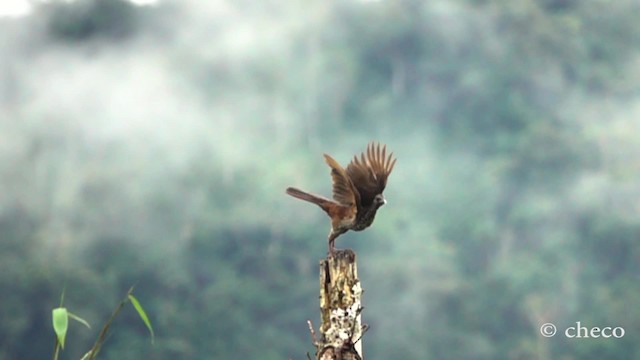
(176,124)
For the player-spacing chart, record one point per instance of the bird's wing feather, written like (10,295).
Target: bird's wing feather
(344,190)
(369,173)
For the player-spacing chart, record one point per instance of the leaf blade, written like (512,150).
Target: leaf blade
(60,321)
(143,315)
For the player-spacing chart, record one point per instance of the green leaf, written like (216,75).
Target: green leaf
(60,320)
(143,315)
(79,319)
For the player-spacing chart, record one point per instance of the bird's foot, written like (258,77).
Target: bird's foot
(332,247)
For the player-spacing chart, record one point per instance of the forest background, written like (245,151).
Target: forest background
(151,145)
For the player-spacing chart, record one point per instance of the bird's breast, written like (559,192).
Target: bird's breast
(364,219)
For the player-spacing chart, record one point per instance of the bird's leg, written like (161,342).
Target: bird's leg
(332,238)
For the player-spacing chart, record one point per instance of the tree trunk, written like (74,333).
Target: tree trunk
(340,306)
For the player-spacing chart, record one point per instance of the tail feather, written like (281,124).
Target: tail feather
(302,195)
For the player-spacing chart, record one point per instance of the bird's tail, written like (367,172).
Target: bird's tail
(302,195)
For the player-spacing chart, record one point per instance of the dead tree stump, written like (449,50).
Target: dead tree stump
(340,306)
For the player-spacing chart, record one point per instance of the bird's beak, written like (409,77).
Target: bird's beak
(384,201)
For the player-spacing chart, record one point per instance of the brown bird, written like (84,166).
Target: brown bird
(357,191)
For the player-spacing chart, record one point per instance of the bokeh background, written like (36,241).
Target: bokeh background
(151,146)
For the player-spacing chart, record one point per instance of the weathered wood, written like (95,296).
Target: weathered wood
(340,306)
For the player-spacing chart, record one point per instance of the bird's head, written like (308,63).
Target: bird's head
(379,200)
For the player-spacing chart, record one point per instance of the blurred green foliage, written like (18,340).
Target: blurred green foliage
(152,145)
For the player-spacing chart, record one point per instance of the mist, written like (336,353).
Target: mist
(151,145)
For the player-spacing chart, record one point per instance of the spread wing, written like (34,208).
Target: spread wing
(344,191)
(369,173)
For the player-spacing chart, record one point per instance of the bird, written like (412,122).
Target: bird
(357,191)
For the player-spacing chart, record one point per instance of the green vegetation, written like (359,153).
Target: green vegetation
(152,145)
(60,319)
